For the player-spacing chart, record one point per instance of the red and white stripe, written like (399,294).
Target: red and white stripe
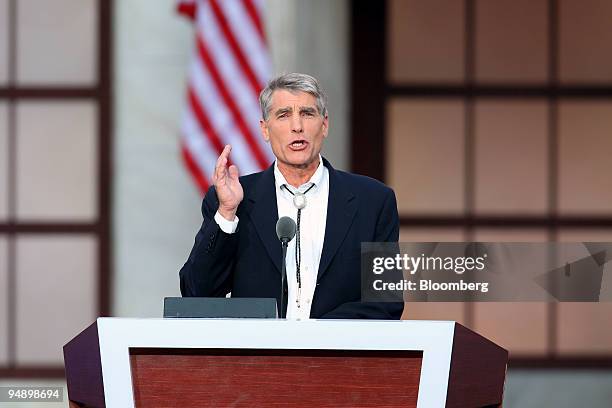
(230,67)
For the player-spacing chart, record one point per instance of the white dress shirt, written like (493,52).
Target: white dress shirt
(312,233)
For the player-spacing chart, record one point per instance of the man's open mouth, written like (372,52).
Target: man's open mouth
(298,144)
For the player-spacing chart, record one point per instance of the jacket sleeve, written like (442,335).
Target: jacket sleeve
(208,270)
(387,230)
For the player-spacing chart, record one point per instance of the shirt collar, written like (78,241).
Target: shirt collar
(316,178)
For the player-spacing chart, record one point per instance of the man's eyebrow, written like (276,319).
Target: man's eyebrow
(308,109)
(283,110)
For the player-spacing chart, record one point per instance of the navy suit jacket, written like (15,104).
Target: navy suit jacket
(248,262)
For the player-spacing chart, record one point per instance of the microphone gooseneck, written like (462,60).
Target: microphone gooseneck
(285,231)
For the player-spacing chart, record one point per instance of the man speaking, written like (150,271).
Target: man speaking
(237,250)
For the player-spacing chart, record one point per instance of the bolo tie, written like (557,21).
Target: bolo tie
(299,202)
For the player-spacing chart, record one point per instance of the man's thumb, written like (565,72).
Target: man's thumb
(233,171)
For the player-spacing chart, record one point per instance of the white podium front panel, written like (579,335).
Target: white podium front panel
(118,335)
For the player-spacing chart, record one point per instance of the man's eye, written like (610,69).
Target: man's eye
(308,113)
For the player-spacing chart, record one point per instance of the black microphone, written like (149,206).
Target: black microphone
(285,231)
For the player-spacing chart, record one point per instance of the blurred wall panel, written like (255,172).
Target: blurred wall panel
(57,42)
(437,234)
(57,163)
(584,41)
(60,127)
(435,311)
(4,301)
(424,156)
(585,129)
(511,41)
(537,155)
(520,327)
(4,168)
(426,41)
(4,42)
(511,157)
(584,328)
(49,310)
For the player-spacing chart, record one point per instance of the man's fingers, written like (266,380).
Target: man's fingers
(218,174)
(222,169)
(226,151)
(221,164)
(220,158)
(217,167)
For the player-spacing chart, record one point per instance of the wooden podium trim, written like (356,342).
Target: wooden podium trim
(267,377)
(476,358)
(84,379)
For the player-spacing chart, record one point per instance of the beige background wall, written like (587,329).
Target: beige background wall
(538,155)
(49,184)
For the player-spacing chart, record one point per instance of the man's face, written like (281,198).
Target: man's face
(295,128)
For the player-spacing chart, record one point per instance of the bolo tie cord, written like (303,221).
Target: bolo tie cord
(298,249)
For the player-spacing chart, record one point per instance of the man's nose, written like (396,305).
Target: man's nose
(296,124)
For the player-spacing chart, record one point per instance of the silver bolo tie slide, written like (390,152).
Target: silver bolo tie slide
(299,200)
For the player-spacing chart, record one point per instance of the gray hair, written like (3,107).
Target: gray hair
(293,82)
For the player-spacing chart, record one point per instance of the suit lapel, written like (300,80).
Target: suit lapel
(341,209)
(263,211)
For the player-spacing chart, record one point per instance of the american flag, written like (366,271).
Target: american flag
(229,68)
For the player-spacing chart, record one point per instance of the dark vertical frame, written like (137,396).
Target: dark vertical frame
(469,185)
(368,66)
(12,187)
(105,130)
(101,228)
(368,100)
(469,151)
(553,154)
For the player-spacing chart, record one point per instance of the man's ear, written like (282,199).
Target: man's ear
(325,126)
(264,130)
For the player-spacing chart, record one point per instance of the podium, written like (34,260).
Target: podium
(124,362)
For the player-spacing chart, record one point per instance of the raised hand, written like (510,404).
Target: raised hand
(229,190)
